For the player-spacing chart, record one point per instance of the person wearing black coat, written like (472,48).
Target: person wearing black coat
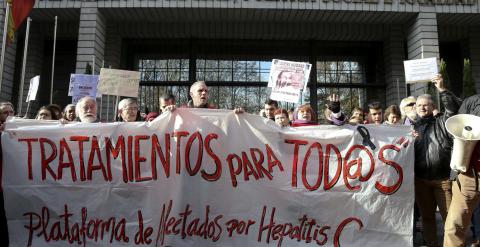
(466,195)
(433,146)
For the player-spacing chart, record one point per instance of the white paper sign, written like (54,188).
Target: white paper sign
(420,70)
(33,88)
(287,80)
(119,82)
(199,177)
(82,85)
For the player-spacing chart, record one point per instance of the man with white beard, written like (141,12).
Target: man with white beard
(86,110)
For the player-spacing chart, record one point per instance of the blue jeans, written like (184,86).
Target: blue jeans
(476,223)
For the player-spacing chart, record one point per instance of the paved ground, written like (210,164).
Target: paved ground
(418,241)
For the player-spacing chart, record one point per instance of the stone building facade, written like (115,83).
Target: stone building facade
(378,35)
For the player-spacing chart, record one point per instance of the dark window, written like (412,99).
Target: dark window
(339,72)
(344,77)
(163,70)
(232,70)
(243,83)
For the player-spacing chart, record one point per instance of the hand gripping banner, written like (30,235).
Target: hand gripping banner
(207,178)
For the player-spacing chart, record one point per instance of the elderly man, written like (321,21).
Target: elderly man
(407,108)
(433,146)
(466,195)
(6,110)
(409,116)
(86,110)
(199,95)
(128,110)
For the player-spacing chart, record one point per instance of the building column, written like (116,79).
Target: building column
(91,39)
(113,47)
(422,42)
(8,64)
(393,50)
(474,45)
(113,51)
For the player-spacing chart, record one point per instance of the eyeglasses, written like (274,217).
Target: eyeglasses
(7,112)
(130,108)
(411,104)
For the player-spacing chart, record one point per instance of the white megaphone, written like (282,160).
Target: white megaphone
(466,130)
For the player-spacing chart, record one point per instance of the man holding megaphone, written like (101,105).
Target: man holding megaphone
(466,160)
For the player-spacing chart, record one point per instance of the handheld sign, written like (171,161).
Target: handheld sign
(118,82)
(82,85)
(33,88)
(287,80)
(420,70)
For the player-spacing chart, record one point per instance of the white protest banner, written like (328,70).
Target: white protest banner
(199,177)
(82,85)
(119,82)
(287,80)
(420,70)
(33,88)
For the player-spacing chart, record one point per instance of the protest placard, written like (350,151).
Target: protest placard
(420,70)
(118,82)
(82,85)
(33,88)
(288,79)
(199,177)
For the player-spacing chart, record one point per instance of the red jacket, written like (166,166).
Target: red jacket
(301,123)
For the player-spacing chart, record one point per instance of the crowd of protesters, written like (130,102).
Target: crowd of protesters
(433,144)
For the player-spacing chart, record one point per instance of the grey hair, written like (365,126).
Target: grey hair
(67,106)
(126,102)
(405,102)
(82,101)
(196,84)
(427,97)
(6,103)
